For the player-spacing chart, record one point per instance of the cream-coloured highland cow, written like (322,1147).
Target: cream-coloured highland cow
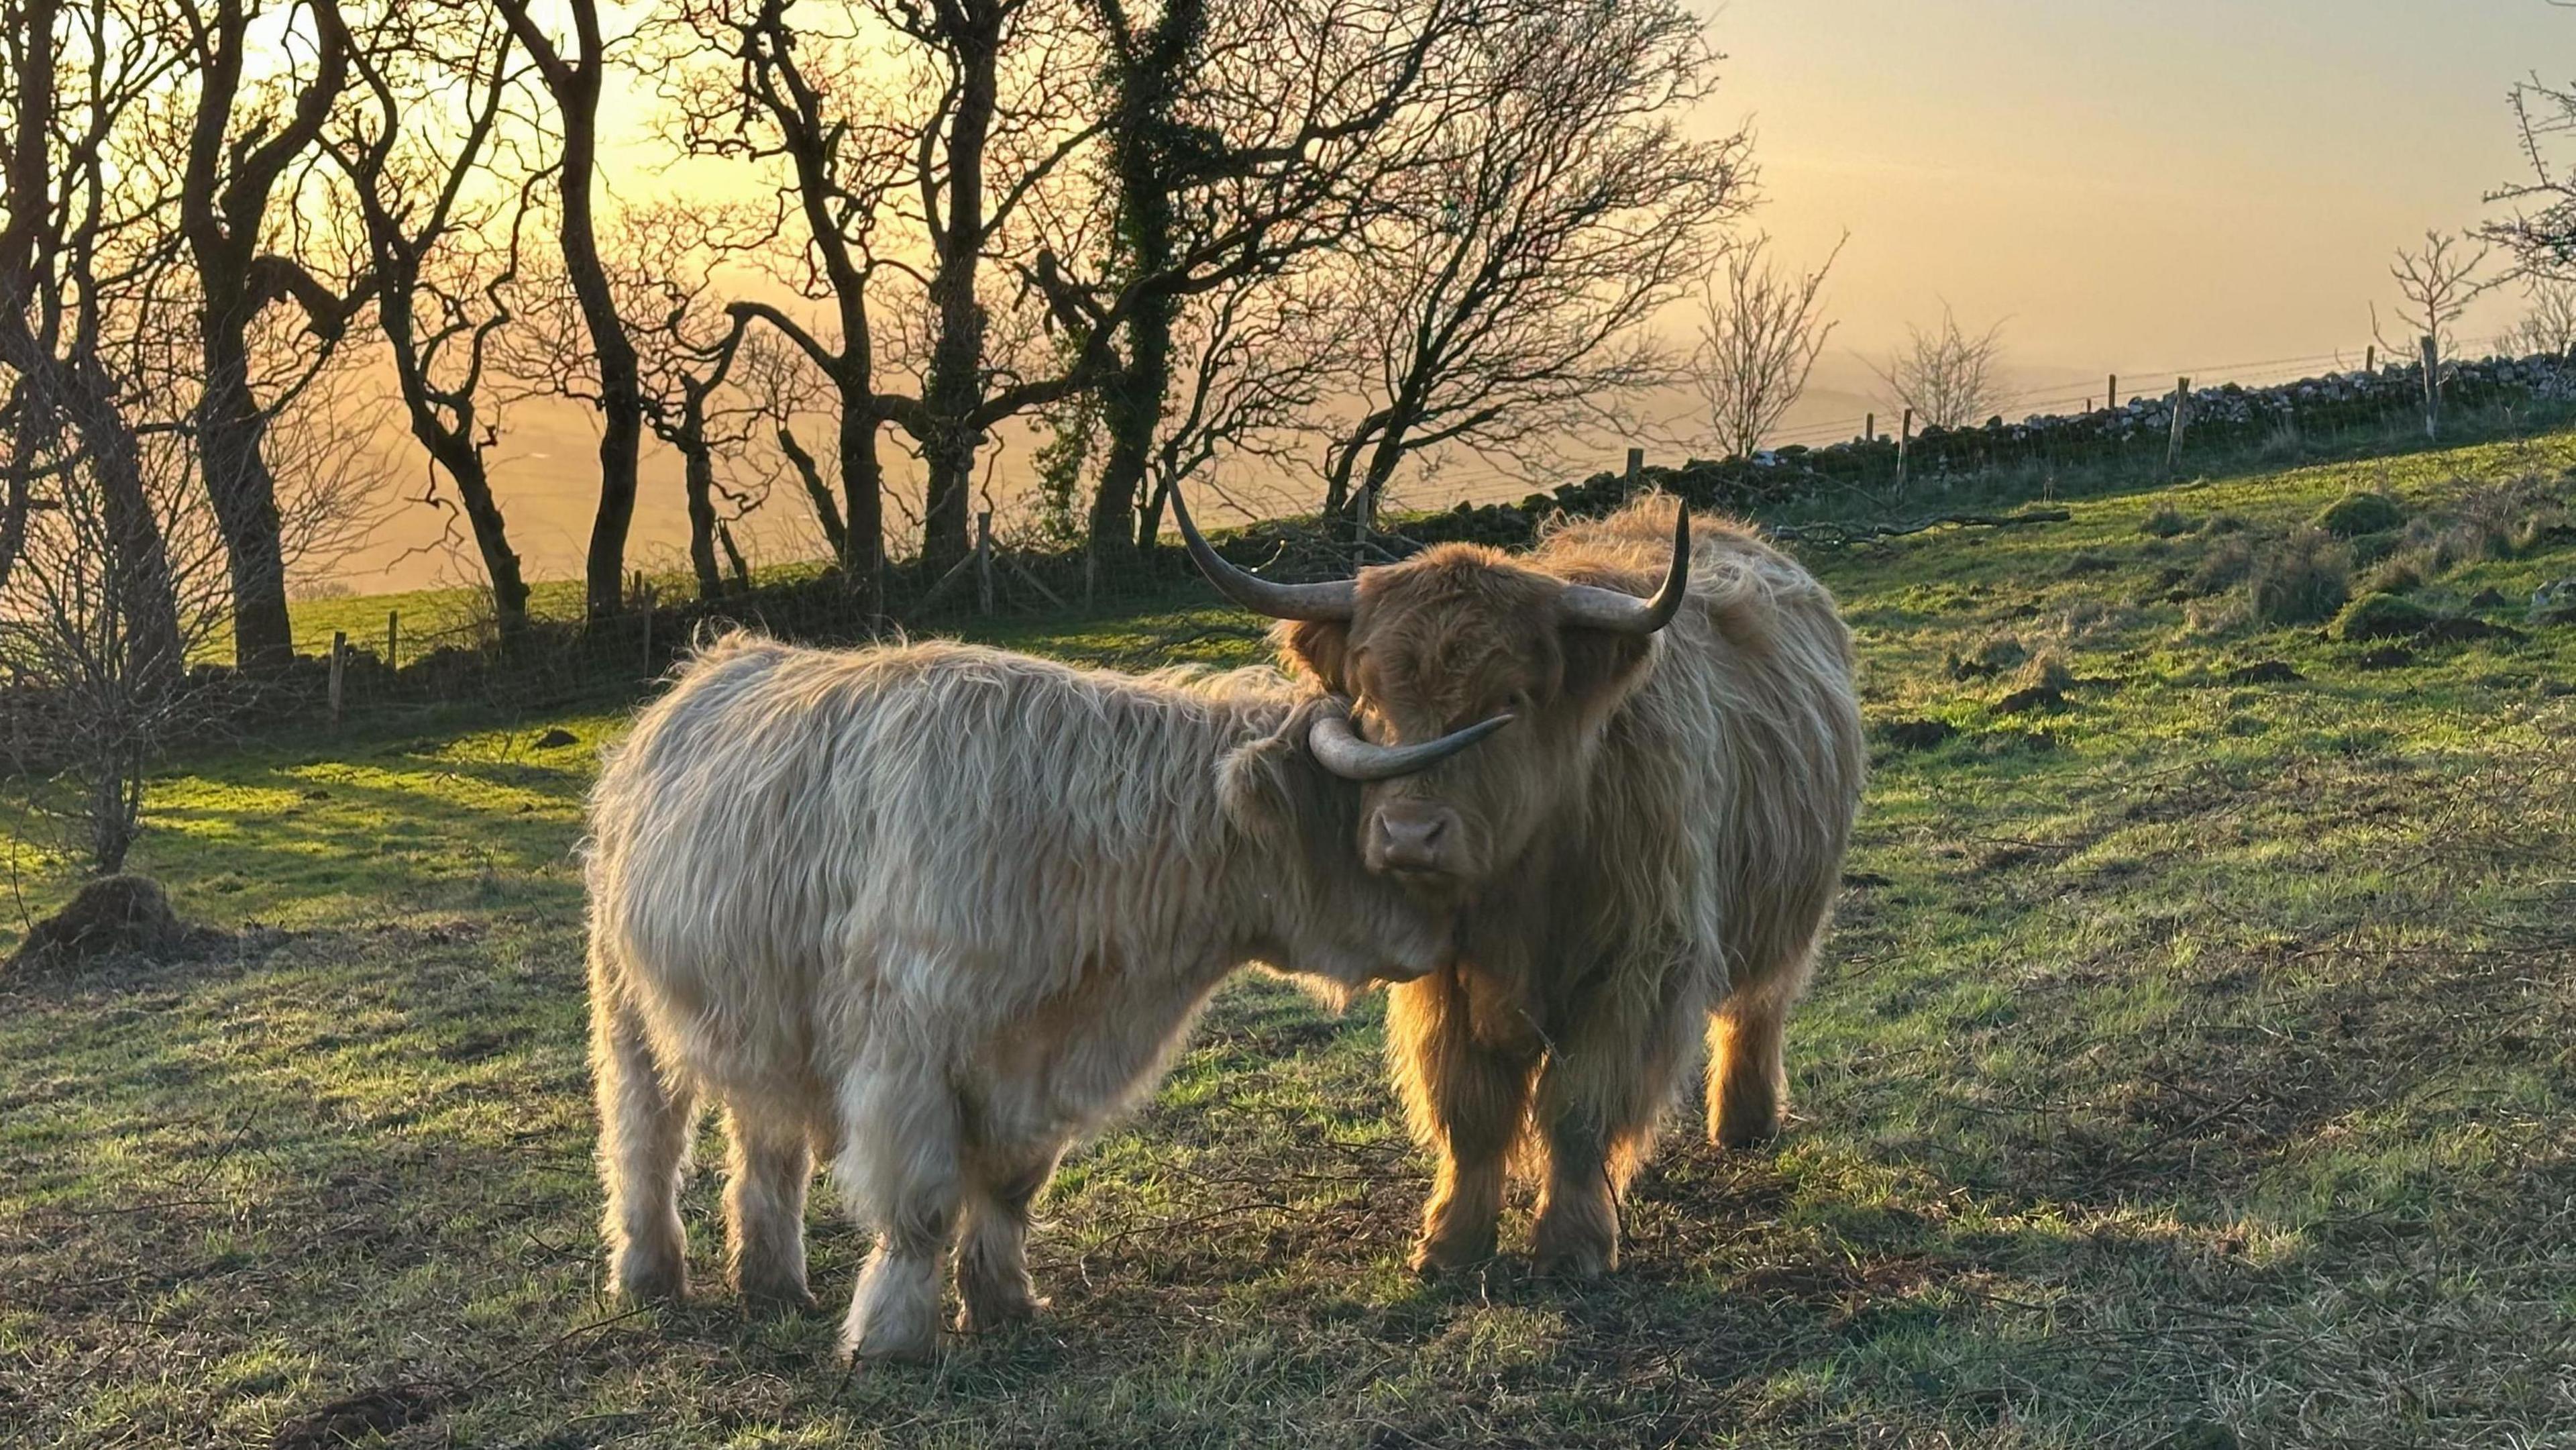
(933,911)
(1653,852)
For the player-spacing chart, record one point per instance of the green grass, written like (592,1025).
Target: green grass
(2189,1067)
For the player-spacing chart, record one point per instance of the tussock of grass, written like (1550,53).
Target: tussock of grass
(2355,514)
(2303,579)
(2187,1066)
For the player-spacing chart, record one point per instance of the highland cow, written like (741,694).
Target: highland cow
(932,912)
(1652,852)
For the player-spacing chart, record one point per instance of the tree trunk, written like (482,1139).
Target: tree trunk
(621,391)
(230,430)
(863,496)
(953,391)
(138,571)
(827,510)
(1145,82)
(455,453)
(698,480)
(948,451)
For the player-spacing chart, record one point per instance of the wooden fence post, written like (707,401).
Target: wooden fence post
(2432,387)
(2370,359)
(1090,579)
(339,670)
(393,639)
(1904,445)
(2111,392)
(984,561)
(645,592)
(2173,438)
(1869,428)
(1363,514)
(1636,470)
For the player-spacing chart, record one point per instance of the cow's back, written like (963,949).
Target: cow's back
(798,848)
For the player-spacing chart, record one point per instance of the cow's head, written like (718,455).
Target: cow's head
(1459,638)
(1330,919)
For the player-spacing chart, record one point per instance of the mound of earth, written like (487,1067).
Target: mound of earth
(2265,672)
(113,915)
(1919,734)
(2356,514)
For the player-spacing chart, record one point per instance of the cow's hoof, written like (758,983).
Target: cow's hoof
(1574,1255)
(1745,1134)
(1573,1266)
(1435,1257)
(649,1278)
(777,1297)
(1001,1313)
(890,1349)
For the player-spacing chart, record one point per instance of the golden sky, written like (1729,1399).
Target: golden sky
(2149,187)
(2211,186)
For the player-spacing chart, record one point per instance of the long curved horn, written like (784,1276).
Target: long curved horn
(1331,602)
(1621,613)
(1339,749)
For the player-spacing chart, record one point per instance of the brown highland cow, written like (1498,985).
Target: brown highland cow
(1652,851)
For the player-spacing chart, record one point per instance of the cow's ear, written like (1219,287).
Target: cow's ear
(1319,648)
(1602,667)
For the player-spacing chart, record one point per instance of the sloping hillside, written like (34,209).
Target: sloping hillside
(2190,1067)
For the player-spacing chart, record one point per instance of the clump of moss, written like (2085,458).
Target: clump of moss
(2303,579)
(2166,522)
(2384,616)
(2355,514)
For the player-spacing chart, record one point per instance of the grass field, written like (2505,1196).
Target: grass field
(2191,1067)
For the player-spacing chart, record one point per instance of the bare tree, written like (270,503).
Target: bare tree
(1251,364)
(776,377)
(1950,377)
(91,704)
(1761,331)
(1226,166)
(2435,287)
(260,109)
(662,263)
(443,235)
(573,77)
(2538,231)
(806,95)
(2548,322)
(1504,299)
(79,238)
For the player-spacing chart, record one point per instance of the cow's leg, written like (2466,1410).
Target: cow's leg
(993,1263)
(1748,1077)
(1467,1102)
(768,1169)
(646,1117)
(898,1166)
(1608,1077)
(1748,1081)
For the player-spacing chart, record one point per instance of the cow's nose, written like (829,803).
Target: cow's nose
(1412,837)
